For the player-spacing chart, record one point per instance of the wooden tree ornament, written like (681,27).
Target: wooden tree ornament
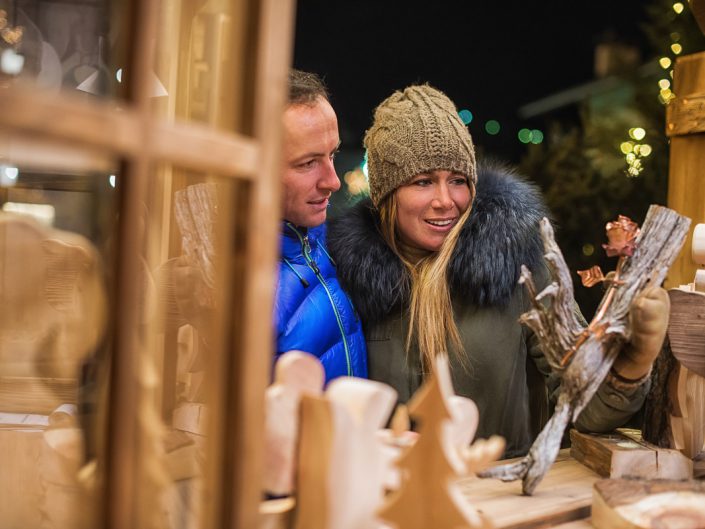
(583,357)
(427,496)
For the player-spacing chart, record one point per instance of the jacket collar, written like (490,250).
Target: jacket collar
(291,238)
(500,235)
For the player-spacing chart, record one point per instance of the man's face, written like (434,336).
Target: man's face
(310,143)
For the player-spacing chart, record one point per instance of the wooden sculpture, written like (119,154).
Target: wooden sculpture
(584,356)
(295,374)
(53,313)
(675,408)
(64,496)
(340,477)
(427,496)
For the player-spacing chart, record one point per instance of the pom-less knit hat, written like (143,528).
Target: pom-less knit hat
(416,131)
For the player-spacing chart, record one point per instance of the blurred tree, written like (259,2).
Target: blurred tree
(615,159)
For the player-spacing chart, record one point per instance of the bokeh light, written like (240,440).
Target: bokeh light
(678,7)
(536,136)
(524,135)
(465,116)
(665,62)
(492,127)
(676,48)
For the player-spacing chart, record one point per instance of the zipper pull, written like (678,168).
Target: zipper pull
(307,254)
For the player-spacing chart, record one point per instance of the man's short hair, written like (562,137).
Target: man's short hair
(305,87)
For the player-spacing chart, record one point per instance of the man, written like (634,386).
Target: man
(312,312)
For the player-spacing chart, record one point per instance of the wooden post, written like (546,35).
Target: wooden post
(685,125)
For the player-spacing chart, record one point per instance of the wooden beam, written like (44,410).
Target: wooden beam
(686,182)
(255,346)
(121,131)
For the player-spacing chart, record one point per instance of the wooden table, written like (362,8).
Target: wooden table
(561,500)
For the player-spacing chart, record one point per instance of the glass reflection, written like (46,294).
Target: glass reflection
(57,229)
(58,45)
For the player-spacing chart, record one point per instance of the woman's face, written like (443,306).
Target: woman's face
(429,206)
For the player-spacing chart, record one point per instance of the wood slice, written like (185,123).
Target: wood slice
(636,504)
(686,329)
(617,455)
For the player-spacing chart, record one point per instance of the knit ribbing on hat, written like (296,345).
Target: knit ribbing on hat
(416,131)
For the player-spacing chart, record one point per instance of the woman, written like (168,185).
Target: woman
(432,262)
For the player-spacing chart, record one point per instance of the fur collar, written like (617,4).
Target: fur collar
(500,235)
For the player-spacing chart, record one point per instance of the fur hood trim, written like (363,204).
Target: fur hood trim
(500,235)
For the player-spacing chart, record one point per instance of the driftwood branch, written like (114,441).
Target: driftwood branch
(583,357)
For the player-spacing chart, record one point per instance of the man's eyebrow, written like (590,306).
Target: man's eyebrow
(311,154)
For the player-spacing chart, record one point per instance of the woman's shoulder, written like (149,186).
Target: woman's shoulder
(501,234)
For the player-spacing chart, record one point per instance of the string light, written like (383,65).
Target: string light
(635,152)
(676,48)
(678,7)
(665,62)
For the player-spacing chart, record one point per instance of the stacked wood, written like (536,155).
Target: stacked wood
(625,454)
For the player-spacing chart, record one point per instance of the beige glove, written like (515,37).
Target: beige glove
(649,320)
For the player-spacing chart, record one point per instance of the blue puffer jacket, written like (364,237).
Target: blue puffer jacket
(312,311)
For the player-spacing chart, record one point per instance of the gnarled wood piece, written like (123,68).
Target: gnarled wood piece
(558,330)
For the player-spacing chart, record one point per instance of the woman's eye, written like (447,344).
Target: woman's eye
(460,181)
(422,182)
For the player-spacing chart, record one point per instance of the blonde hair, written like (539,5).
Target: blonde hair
(431,321)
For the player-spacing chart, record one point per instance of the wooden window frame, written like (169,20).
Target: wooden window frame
(134,136)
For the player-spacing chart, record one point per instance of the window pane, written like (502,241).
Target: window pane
(57,231)
(185,344)
(61,45)
(199,47)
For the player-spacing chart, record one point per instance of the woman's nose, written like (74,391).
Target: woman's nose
(442,198)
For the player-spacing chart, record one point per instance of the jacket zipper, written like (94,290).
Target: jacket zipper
(306,247)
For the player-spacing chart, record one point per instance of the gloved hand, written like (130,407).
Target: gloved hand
(648,316)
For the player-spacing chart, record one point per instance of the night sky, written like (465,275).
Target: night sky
(490,57)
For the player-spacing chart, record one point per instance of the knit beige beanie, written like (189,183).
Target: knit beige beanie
(416,131)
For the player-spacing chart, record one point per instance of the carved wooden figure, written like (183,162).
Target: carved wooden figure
(340,475)
(675,411)
(295,374)
(54,313)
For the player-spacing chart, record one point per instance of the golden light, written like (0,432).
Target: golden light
(675,36)
(357,183)
(637,133)
(637,149)
(626,147)
(676,48)
(631,158)
(664,84)
(665,62)
(678,7)
(645,150)
(588,249)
